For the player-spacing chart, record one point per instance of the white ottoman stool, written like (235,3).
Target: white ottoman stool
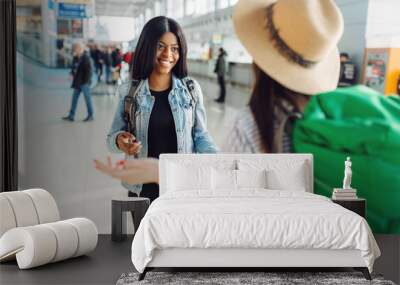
(31,232)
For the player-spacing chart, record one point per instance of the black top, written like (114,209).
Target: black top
(161,135)
(161,132)
(81,71)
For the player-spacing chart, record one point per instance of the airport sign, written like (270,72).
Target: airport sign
(67,10)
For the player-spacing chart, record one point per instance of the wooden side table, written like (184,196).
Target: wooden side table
(136,205)
(356,205)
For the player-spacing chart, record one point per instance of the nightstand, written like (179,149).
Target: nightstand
(136,205)
(356,205)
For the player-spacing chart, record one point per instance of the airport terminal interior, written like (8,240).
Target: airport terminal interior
(58,155)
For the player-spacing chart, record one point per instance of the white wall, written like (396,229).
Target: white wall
(383,18)
(383,27)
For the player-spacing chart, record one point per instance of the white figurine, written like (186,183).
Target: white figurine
(347,174)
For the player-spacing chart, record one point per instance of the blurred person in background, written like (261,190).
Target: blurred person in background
(398,85)
(126,61)
(348,72)
(100,62)
(220,70)
(128,57)
(81,72)
(169,118)
(74,65)
(116,60)
(97,56)
(107,60)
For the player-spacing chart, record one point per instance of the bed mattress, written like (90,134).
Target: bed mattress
(250,219)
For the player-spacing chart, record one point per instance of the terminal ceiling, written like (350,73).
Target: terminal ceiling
(119,8)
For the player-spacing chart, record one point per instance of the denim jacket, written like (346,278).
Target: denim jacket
(192,137)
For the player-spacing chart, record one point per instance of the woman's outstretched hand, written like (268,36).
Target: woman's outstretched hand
(136,171)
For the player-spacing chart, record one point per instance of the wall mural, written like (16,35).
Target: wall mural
(363,124)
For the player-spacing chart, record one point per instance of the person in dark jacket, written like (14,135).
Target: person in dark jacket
(398,86)
(116,60)
(348,70)
(220,70)
(107,63)
(97,56)
(81,72)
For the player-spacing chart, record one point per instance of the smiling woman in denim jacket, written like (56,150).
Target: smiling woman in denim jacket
(167,118)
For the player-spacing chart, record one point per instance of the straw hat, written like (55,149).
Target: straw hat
(293,41)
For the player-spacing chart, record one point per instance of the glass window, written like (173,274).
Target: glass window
(223,4)
(141,21)
(148,14)
(232,2)
(76,28)
(63,27)
(175,8)
(204,6)
(190,7)
(157,8)
(138,25)
(29,31)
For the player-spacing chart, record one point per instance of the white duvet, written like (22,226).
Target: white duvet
(250,218)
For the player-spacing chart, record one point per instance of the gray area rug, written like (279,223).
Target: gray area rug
(243,278)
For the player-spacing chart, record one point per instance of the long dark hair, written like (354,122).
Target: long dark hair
(267,95)
(146,48)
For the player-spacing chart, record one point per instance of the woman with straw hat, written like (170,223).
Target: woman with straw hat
(294,48)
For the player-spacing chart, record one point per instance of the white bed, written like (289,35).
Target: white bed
(202,220)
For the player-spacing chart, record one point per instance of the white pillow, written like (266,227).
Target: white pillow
(281,174)
(223,179)
(289,179)
(184,177)
(251,178)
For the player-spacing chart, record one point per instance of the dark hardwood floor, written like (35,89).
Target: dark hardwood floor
(110,259)
(102,266)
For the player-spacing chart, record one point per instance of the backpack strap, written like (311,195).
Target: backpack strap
(130,106)
(189,84)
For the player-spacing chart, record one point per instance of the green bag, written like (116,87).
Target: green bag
(365,125)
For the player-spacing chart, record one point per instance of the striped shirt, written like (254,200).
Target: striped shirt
(245,137)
